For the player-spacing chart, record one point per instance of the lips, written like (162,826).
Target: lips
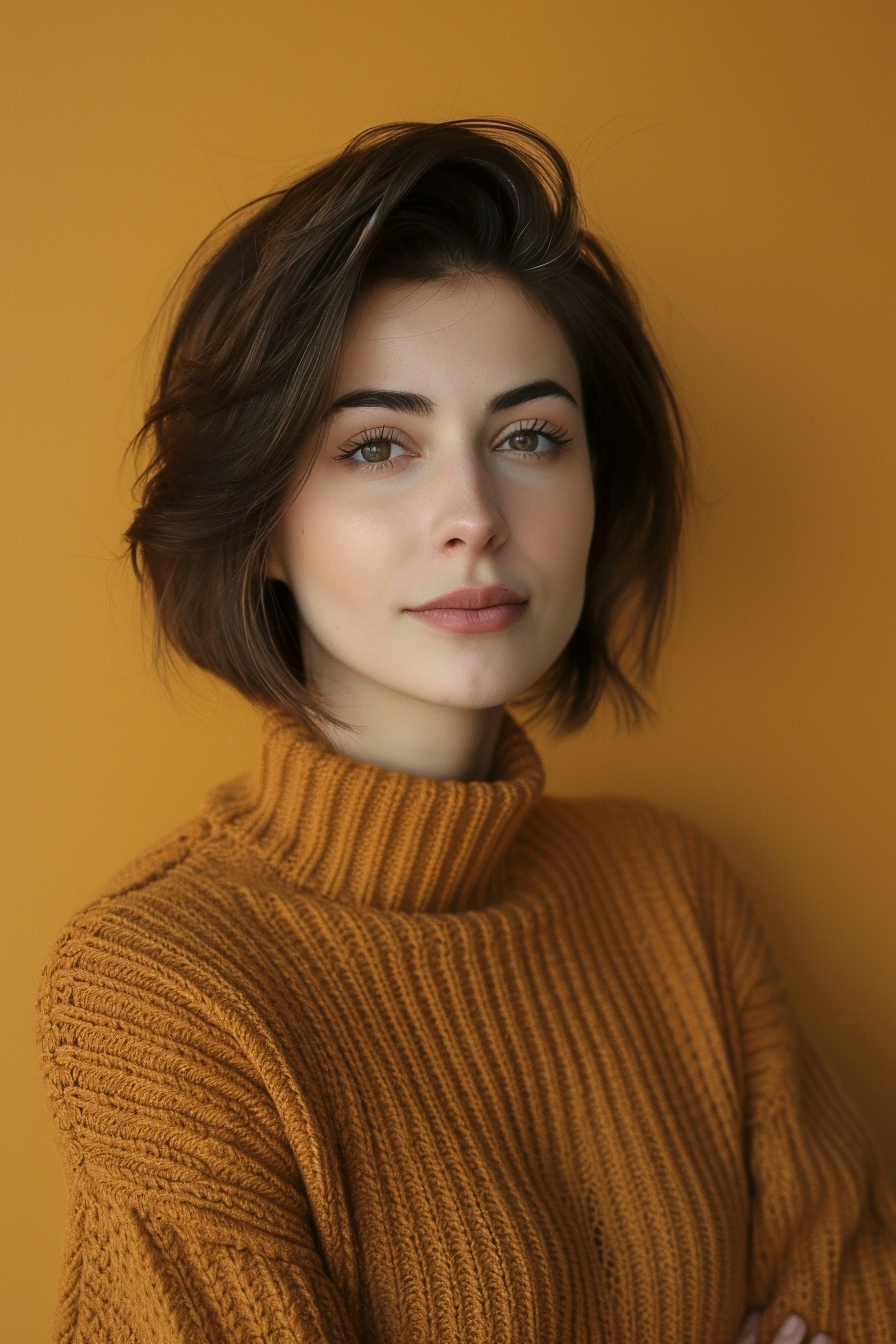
(472,599)
(473,610)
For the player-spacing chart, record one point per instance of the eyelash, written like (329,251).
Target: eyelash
(558,441)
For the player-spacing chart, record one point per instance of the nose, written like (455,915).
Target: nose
(467,515)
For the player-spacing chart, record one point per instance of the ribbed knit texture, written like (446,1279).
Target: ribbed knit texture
(363,1056)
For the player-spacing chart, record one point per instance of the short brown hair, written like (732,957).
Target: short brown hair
(249,366)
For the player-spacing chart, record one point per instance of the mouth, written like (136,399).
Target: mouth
(473,610)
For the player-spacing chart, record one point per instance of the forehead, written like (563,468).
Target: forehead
(472,333)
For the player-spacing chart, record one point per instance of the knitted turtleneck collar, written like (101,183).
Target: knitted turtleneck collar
(363,834)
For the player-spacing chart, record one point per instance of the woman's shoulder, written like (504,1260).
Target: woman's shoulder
(658,885)
(136,1006)
(639,854)
(152,875)
(637,828)
(182,876)
(142,934)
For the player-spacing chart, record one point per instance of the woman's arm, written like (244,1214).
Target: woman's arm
(823,1222)
(188,1220)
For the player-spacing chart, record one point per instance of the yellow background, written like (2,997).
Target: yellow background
(738,157)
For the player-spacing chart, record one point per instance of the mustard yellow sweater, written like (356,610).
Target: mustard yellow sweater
(357,1055)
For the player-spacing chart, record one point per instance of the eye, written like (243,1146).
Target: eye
(376,449)
(523,441)
(535,440)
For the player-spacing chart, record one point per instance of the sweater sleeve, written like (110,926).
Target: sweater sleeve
(188,1219)
(823,1219)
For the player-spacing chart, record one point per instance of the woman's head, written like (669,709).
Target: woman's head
(453,463)
(448,261)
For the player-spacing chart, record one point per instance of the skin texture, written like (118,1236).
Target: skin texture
(457,503)
(462,495)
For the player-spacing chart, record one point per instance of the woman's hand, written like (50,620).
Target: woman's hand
(792,1330)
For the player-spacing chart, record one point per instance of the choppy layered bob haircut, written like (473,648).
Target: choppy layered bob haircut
(249,368)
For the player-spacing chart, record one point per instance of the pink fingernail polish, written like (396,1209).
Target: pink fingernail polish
(793,1327)
(750,1328)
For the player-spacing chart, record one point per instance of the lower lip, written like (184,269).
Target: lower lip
(467,621)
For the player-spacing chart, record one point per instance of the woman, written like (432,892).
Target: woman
(384,1044)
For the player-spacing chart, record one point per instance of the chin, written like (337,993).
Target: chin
(463,690)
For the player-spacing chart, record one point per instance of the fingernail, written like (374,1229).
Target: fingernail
(821,1339)
(749,1328)
(793,1327)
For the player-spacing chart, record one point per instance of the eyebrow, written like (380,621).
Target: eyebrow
(411,403)
(544,387)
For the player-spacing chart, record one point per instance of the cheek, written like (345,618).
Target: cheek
(339,553)
(555,529)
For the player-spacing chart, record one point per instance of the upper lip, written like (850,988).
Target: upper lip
(473,599)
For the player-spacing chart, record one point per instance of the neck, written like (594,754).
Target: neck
(399,732)
(354,832)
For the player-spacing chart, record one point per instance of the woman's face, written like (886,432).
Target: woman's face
(453,469)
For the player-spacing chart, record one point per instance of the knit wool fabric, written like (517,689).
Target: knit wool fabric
(358,1055)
